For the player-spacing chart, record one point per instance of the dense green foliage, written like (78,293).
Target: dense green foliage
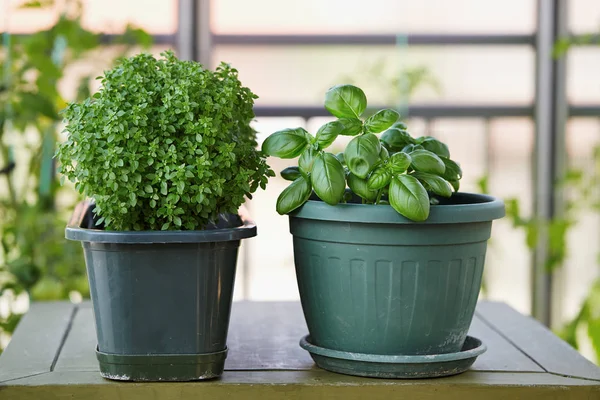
(394,168)
(164,144)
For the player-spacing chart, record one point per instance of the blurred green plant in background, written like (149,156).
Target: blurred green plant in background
(35,259)
(397,86)
(581,194)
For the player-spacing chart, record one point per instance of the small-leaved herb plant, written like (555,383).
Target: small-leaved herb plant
(394,169)
(164,145)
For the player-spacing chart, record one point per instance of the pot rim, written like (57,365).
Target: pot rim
(472,207)
(75,231)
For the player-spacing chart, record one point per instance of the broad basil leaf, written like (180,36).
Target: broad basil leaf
(307,160)
(291,173)
(293,196)
(328,180)
(409,198)
(400,125)
(328,132)
(453,171)
(340,157)
(381,120)
(409,148)
(345,101)
(352,126)
(361,154)
(399,162)
(379,179)
(434,183)
(455,184)
(396,139)
(288,143)
(426,161)
(435,146)
(384,154)
(359,186)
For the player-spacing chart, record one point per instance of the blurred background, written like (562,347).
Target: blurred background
(512,86)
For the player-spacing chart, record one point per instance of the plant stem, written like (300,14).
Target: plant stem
(378,199)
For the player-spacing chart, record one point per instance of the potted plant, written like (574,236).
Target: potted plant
(389,257)
(165,151)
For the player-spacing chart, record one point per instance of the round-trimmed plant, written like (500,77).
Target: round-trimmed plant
(164,144)
(395,168)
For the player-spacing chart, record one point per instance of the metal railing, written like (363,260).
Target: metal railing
(373,40)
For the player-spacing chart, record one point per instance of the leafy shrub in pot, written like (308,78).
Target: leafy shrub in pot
(388,255)
(394,168)
(164,145)
(166,152)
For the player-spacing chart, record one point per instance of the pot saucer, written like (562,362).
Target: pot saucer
(395,366)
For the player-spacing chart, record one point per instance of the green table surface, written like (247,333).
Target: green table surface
(51,356)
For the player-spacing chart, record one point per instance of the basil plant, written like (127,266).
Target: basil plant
(394,168)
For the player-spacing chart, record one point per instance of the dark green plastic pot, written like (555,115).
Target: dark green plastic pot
(161,300)
(374,282)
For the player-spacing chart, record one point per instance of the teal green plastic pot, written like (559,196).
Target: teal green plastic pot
(374,282)
(161,300)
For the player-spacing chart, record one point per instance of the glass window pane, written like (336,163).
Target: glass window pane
(16,20)
(156,16)
(508,260)
(378,16)
(270,273)
(584,16)
(301,75)
(108,16)
(583,79)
